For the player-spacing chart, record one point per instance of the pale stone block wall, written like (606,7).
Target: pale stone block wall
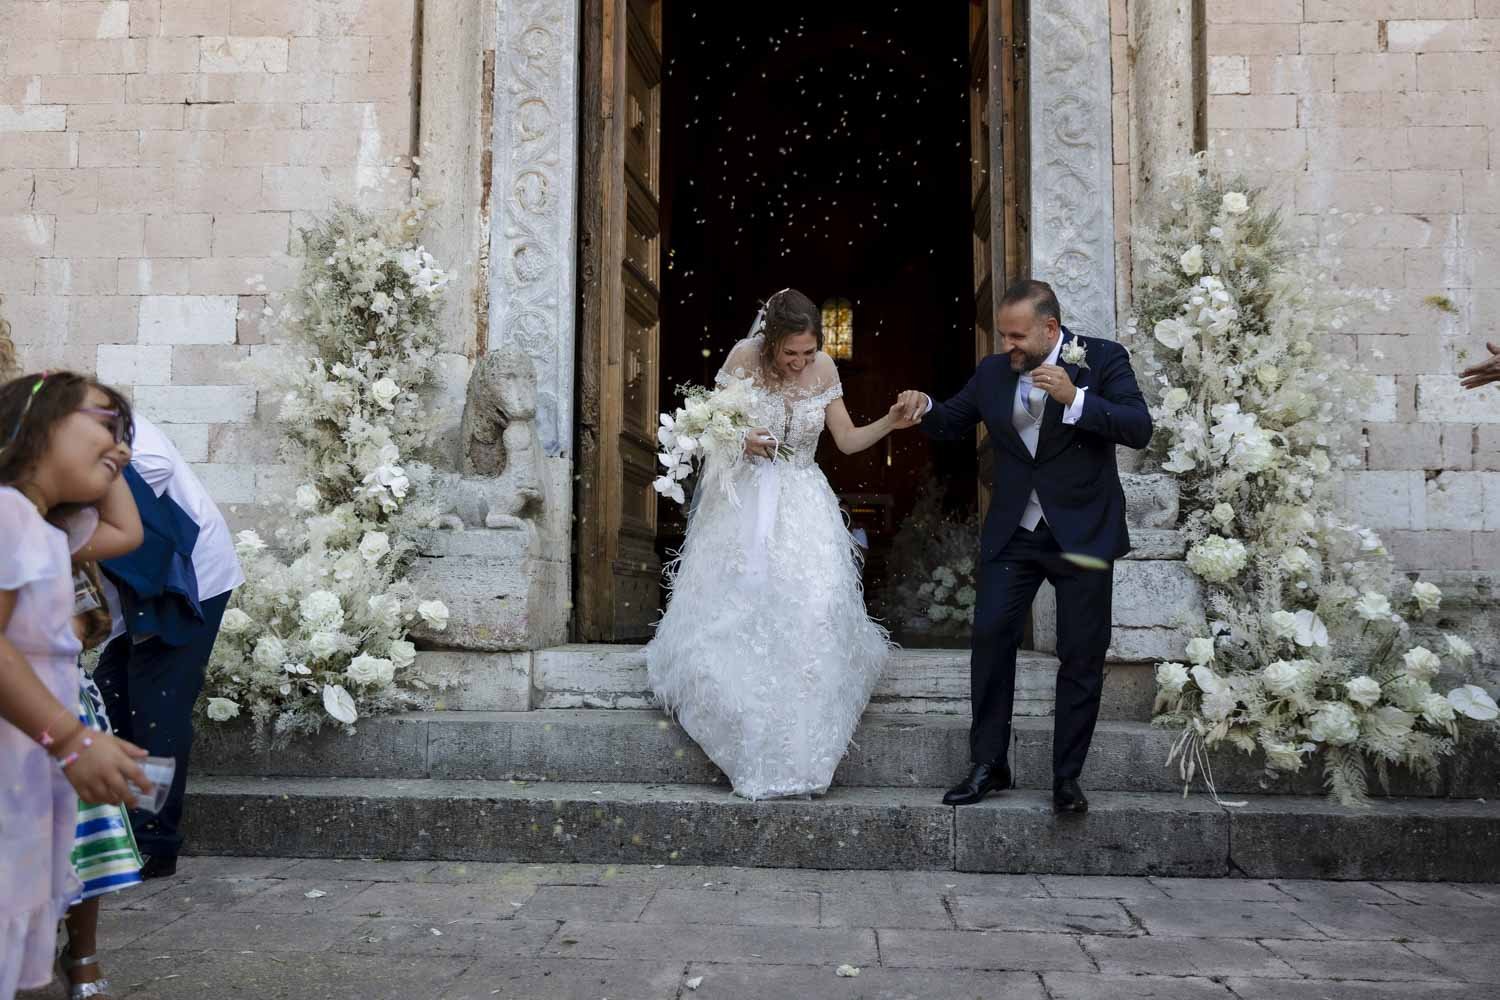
(154,154)
(1390,109)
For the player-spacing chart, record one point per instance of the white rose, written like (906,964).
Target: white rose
(324,644)
(385,392)
(374,546)
(1296,561)
(1310,630)
(1427,596)
(1175,399)
(247,543)
(1422,663)
(1437,710)
(1283,624)
(1473,701)
(1235,203)
(1223,514)
(366,669)
(322,608)
(308,498)
(1171,677)
(235,622)
(222,709)
(1284,677)
(937,613)
(1459,648)
(434,613)
(403,654)
(1373,607)
(1192,260)
(1286,756)
(1363,691)
(1200,650)
(270,653)
(1334,724)
(338,704)
(1268,376)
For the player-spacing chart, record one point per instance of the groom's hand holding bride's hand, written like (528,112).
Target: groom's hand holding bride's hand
(913,406)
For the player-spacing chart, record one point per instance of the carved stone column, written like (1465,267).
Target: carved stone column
(1072,190)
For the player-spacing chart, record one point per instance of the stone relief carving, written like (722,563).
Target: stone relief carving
(1072,199)
(500,483)
(533,224)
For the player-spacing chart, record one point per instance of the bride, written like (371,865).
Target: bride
(765,653)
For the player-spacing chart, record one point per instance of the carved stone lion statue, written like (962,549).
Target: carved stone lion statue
(500,480)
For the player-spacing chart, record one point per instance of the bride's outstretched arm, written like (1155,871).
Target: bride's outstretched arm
(851,439)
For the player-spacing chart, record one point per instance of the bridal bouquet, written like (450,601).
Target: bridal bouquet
(711,423)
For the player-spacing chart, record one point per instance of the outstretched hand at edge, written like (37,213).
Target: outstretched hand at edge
(1484,372)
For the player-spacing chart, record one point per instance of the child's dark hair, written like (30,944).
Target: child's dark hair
(32,405)
(789,313)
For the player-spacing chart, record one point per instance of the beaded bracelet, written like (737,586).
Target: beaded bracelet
(88,741)
(46,740)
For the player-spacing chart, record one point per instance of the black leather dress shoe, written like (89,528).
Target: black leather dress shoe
(982,780)
(158,866)
(1067,797)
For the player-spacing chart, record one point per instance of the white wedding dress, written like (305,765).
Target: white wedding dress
(765,653)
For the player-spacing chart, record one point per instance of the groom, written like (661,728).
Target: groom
(1056,405)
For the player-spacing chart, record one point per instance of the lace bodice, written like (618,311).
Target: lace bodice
(792,410)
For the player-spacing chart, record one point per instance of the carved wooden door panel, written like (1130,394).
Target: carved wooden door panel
(997,183)
(619,243)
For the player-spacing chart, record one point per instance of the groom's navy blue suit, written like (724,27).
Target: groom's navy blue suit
(1078,483)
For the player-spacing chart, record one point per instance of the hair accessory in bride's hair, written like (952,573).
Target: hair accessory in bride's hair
(759,326)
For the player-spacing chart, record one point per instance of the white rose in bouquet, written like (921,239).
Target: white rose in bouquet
(366,669)
(1335,724)
(1297,561)
(403,654)
(385,392)
(1171,677)
(1200,650)
(322,608)
(1427,595)
(1458,648)
(1422,663)
(325,644)
(1285,677)
(1223,514)
(222,709)
(235,622)
(1219,704)
(434,613)
(338,704)
(385,610)
(1282,625)
(308,498)
(375,546)
(1437,710)
(1363,691)
(1174,399)
(1373,607)
(270,653)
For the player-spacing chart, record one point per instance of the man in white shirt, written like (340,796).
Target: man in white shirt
(149,686)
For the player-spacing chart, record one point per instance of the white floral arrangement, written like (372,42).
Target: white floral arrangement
(1305,652)
(937,587)
(707,431)
(319,630)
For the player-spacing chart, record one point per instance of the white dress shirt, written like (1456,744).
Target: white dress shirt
(162,466)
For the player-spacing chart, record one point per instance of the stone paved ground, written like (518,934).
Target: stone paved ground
(284,928)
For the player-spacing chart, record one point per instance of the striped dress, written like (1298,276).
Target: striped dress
(104,852)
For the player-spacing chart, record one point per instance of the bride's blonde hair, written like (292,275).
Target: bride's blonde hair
(788,313)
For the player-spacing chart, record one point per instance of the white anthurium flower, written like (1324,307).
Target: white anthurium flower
(434,613)
(1310,630)
(338,703)
(222,709)
(1171,677)
(1235,203)
(1390,721)
(1427,595)
(1373,607)
(1172,334)
(1473,701)
(1363,691)
(1422,663)
(686,445)
(235,622)
(1458,648)
(668,486)
(1208,682)
(1191,260)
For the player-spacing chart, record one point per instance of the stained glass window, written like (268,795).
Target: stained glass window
(838,329)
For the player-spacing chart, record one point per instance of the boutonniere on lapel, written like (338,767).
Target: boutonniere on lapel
(1073,353)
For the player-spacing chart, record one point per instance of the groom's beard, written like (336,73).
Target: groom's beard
(1020,361)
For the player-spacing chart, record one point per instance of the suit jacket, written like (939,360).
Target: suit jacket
(157,584)
(1074,472)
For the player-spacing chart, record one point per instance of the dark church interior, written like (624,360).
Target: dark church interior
(825,147)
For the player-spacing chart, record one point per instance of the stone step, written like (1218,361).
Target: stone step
(917,680)
(1125,833)
(645,746)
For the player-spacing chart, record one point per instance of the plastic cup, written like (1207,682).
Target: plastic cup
(159,771)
